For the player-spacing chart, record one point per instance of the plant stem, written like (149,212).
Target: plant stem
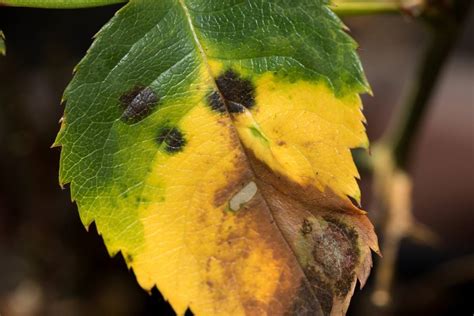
(369,7)
(401,134)
(59,4)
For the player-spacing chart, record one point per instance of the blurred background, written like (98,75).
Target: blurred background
(50,265)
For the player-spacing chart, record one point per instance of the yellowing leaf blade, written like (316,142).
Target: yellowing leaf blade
(210,143)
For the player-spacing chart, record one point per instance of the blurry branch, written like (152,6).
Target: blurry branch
(58,4)
(445,28)
(392,190)
(392,184)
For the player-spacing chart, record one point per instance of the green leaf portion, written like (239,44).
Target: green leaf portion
(297,39)
(104,159)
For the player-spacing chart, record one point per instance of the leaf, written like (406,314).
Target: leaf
(210,143)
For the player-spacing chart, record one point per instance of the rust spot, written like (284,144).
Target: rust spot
(172,138)
(137,104)
(238,93)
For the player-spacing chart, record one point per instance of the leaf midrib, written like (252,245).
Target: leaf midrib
(242,147)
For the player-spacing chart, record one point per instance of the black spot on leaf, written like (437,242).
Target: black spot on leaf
(215,101)
(238,93)
(235,107)
(172,138)
(138,104)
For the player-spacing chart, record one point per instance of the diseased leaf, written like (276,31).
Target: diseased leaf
(210,143)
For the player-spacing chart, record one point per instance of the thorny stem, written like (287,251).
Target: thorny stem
(59,4)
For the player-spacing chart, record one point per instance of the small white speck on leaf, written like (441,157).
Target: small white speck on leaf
(243,196)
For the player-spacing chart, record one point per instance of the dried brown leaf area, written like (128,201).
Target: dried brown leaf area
(331,239)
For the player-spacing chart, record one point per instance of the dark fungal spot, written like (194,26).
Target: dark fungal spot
(351,259)
(349,232)
(235,107)
(238,93)
(215,101)
(137,104)
(172,138)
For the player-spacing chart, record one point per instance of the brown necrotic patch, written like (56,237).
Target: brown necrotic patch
(171,138)
(307,305)
(238,93)
(336,252)
(137,104)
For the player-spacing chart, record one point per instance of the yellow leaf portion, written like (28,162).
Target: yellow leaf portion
(205,256)
(199,252)
(302,130)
